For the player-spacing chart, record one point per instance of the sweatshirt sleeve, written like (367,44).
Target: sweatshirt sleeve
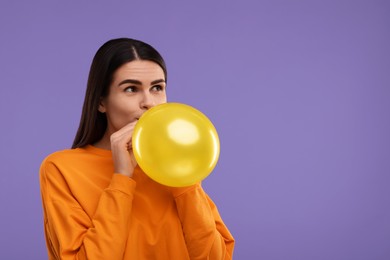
(70,232)
(205,234)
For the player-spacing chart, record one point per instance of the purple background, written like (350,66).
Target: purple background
(299,92)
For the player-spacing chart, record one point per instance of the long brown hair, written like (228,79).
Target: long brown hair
(107,60)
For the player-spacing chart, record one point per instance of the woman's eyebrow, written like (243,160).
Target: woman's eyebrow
(137,82)
(157,81)
(130,81)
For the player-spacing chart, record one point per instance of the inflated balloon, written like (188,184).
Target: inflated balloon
(175,144)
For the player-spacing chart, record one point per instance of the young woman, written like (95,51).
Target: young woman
(97,203)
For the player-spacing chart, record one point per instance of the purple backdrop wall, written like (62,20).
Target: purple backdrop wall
(299,92)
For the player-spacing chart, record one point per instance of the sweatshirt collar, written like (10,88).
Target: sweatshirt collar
(98,151)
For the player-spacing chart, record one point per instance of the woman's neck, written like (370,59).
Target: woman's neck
(104,143)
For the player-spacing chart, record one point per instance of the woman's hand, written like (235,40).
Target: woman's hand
(122,152)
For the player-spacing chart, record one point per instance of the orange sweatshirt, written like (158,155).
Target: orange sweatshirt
(92,213)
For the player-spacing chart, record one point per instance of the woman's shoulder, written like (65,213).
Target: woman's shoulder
(64,161)
(65,158)
(76,156)
(51,165)
(63,155)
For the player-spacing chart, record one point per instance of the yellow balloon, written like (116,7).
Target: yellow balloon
(175,144)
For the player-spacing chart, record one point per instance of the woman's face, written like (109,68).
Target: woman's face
(136,86)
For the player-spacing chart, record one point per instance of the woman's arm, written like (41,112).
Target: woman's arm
(70,232)
(205,234)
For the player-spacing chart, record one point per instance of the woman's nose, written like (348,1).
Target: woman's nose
(147,101)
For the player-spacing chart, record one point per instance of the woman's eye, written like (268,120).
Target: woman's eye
(130,89)
(157,88)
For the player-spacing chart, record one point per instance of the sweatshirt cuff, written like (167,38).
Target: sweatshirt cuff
(122,183)
(178,191)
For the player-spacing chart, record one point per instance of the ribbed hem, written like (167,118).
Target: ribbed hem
(122,183)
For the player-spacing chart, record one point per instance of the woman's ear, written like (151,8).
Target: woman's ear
(102,107)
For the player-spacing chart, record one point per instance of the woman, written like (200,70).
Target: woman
(98,204)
